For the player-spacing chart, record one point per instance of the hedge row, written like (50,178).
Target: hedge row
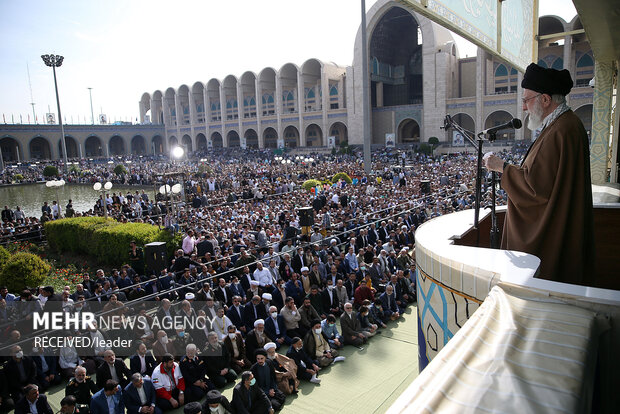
(309,184)
(108,241)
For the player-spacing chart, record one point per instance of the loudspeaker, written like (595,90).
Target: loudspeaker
(425,187)
(306,216)
(155,256)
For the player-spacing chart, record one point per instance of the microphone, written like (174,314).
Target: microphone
(514,123)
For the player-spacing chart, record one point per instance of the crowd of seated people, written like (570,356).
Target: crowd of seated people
(269,297)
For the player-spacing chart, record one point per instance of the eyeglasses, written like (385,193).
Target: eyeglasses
(524,100)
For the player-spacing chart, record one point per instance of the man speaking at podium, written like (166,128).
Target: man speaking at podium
(550,194)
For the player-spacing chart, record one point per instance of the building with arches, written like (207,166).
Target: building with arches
(416,78)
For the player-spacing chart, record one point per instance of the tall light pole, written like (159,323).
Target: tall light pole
(56,61)
(365,103)
(92,114)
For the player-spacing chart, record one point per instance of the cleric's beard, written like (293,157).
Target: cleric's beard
(536,117)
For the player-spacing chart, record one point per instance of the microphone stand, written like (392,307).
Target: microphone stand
(494,230)
(449,123)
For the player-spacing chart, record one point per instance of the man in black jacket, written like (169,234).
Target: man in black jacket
(307,368)
(265,375)
(104,372)
(31,396)
(19,371)
(248,398)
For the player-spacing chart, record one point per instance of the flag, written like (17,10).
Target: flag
(28,118)
(12,119)
(3,118)
(20,119)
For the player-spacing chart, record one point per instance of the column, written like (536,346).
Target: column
(259,111)
(223,115)
(601,120)
(569,62)
(480,79)
(300,109)
(379,93)
(240,110)
(279,111)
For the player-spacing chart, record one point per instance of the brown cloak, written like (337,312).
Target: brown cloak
(550,203)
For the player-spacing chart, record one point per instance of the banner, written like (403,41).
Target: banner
(457,139)
(506,31)
(390,140)
(51,118)
(243,143)
(103,119)
(331,142)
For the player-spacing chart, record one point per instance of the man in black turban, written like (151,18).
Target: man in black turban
(550,194)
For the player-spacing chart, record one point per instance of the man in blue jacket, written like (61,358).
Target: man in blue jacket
(276,328)
(139,396)
(108,400)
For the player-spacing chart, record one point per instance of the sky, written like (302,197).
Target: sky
(122,48)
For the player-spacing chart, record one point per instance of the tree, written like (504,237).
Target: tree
(434,143)
(50,171)
(120,170)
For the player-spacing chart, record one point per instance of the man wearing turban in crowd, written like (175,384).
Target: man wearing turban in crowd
(550,194)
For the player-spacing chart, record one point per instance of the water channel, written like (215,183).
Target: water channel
(30,197)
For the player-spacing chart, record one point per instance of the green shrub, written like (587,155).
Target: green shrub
(4,257)
(18,177)
(120,170)
(108,241)
(342,176)
(24,270)
(50,171)
(309,184)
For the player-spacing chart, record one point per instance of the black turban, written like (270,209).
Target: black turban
(547,81)
(214,397)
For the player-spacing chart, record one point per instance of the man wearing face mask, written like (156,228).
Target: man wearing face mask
(162,345)
(20,370)
(550,194)
(249,398)
(216,403)
(275,326)
(278,295)
(329,298)
(265,375)
(236,349)
(316,345)
(82,387)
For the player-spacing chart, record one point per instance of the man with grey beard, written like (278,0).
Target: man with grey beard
(550,194)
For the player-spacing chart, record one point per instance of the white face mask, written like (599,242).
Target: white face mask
(164,340)
(214,409)
(274,315)
(19,354)
(232,335)
(317,331)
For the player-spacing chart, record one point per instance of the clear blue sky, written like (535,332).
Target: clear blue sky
(122,48)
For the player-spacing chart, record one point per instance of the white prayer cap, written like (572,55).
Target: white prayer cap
(254,282)
(189,296)
(305,269)
(267,296)
(269,345)
(334,241)
(259,321)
